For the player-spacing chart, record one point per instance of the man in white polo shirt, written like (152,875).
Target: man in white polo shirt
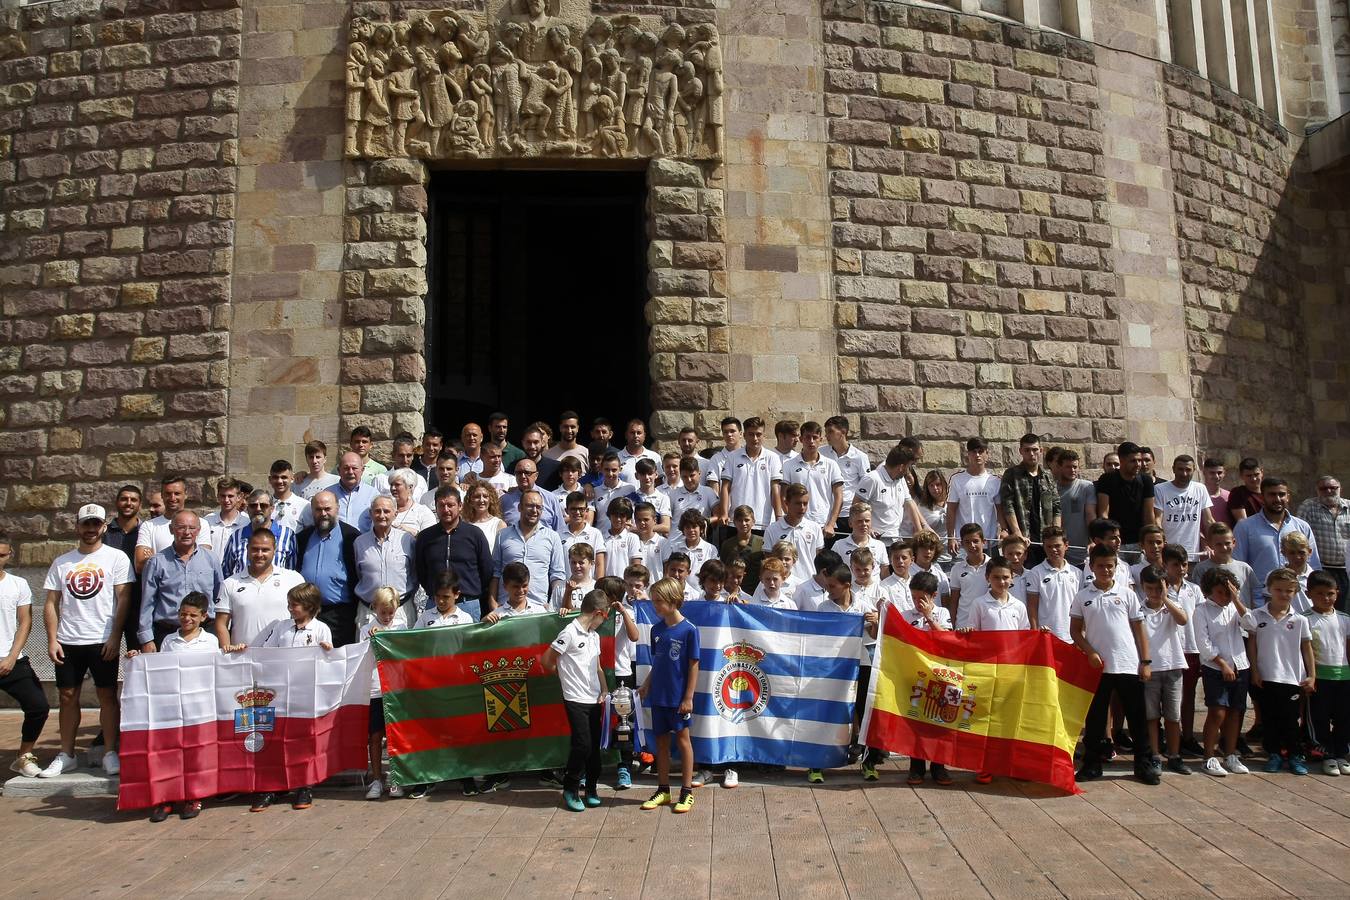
(254,599)
(752,477)
(794,526)
(157,534)
(853,464)
(885,488)
(821,476)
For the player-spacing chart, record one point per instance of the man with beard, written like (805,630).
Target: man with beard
(530,542)
(1257,537)
(256,597)
(433,441)
(121,535)
(498,426)
(545,469)
(327,552)
(234,561)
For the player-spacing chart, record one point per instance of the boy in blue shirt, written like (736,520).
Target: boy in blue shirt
(669,691)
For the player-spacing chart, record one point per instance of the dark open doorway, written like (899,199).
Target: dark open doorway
(537,288)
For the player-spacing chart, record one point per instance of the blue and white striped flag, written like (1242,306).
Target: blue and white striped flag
(774,686)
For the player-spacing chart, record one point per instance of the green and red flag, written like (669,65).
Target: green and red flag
(474,700)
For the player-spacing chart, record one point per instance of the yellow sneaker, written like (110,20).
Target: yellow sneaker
(815,776)
(660,798)
(686,803)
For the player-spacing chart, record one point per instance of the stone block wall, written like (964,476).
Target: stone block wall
(973,277)
(118,144)
(1238,247)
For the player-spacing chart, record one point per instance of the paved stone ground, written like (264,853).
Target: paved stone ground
(1254,836)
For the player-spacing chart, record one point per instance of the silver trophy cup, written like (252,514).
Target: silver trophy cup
(621,698)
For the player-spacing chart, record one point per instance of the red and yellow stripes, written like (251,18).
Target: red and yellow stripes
(1009,703)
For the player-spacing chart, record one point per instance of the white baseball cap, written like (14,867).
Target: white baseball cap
(91,511)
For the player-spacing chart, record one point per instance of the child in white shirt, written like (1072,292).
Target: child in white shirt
(772,578)
(1052,585)
(384,605)
(648,541)
(516,581)
(1329,705)
(580,581)
(690,542)
(575,656)
(1152,539)
(1220,623)
(445,593)
(677,567)
(1296,550)
(860,535)
(1283,668)
(711,577)
(1165,623)
(623,594)
(1186,594)
(647,493)
(927,547)
(577,531)
(897,584)
(927,614)
(1014,549)
(621,547)
(968,575)
(841,598)
(867,588)
(732,585)
(690,493)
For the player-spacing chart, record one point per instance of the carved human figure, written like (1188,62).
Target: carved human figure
(610,138)
(639,81)
(480,88)
(382,43)
(568,59)
(658,123)
(357,63)
(374,130)
(507,94)
(687,104)
(536,22)
(440,93)
(405,98)
(464,137)
(705,38)
(473,42)
(536,110)
(599,38)
(672,39)
(592,87)
(697,112)
(615,83)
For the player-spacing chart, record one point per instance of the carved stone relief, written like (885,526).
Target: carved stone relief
(532,78)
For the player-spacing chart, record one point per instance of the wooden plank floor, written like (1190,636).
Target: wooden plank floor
(1258,836)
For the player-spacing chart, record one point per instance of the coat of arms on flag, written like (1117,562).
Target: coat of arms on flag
(506,692)
(255,716)
(940,695)
(741,689)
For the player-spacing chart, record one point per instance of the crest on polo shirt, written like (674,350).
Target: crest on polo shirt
(255,717)
(506,694)
(741,688)
(941,695)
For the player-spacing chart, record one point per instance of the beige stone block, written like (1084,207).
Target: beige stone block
(42,497)
(952,400)
(137,159)
(973,72)
(1061,403)
(1043,301)
(768,368)
(146,350)
(73,326)
(978,171)
(924,140)
(906,87)
(984,324)
(978,221)
(130,464)
(141,406)
(977,121)
(924,293)
(979,271)
(130,238)
(61,273)
(1040,253)
(900,187)
(1035,203)
(902,38)
(994,375)
(1002,428)
(1036,63)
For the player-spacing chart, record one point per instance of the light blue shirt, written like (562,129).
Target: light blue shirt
(1257,543)
(354,505)
(166,579)
(542,554)
(469,464)
(323,566)
(552,516)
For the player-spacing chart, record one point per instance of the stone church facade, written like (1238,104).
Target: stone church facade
(939,220)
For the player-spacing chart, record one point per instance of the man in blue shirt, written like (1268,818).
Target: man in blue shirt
(328,561)
(527,476)
(1257,537)
(352,494)
(529,542)
(171,573)
(234,555)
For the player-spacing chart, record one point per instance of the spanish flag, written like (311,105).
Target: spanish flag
(1004,702)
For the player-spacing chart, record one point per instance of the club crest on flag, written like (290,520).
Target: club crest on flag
(741,689)
(506,695)
(941,695)
(255,715)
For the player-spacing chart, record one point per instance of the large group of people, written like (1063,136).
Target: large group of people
(1163,584)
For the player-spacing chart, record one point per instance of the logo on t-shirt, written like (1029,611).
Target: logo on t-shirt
(84,581)
(1087,603)
(1262,624)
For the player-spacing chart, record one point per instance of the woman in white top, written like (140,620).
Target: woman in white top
(408,516)
(932,501)
(482,509)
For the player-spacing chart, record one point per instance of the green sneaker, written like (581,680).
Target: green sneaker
(573,802)
(660,798)
(686,802)
(869,770)
(815,776)
(591,801)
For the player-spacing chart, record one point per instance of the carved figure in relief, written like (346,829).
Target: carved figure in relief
(568,59)
(658,123)
(610,138)
(464,137)
(382,43)
(357,66)
(599,38)
(591,88)
(406,100)
(536,110)
(480,87)
(474,43)
(507,94)
(375,116)
(672,39)
(615,84)
(705,42)
(686,106)
(440,93)
(639,72)
(533,46)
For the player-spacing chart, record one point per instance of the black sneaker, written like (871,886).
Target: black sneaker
(1191,747)
(1148,775)
(261,802)
(304,799)
(496,783)
(1155,764)
(1124,741)
(551,778)
(1176,765)
(417,792)
(468,787)
(1088,772)
(161,812)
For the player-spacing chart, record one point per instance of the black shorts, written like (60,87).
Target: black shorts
(82,658)
(377,715)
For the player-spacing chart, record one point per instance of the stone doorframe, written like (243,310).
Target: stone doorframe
(384,286)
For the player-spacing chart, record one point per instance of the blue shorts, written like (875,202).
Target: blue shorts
(1225,694)
(667,719)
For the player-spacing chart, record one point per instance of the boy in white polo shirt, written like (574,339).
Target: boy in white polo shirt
(1053,585)
(1165,621)
(1219,627)
(1283,667)
(1329,705)
(575,656)
(968,574)
(886,489)
(860,535)
(794,526)
(925,612)
(821,476)
(689,541)
(690,493)
(1107,623)
(752,476)
(972,496)
(853,463)
(1186,594)
(997,610)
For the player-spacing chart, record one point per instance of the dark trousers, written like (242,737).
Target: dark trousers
(1130,690)
(1280,704)
(1343,582)
(1329,709)
(341,620)
(585,753)
(21,683)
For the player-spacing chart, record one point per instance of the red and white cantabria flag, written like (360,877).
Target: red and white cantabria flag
(199,724)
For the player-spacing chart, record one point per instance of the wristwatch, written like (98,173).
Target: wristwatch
(1145,662)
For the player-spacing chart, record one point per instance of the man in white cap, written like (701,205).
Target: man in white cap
(88,590)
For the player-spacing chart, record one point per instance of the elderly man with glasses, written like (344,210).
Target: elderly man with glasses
(234,561)
(1329,515)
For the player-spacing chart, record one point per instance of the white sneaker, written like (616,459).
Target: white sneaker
(111,764)
(1234,765)
(1344,765)
(701,777)
(375,790)
(395,790)
(1329,767)
(63,763)
(26,765)
(1215,768)
(730,779)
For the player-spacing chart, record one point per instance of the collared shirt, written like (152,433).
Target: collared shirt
(309,485)
(235,558)
(166,578)
(202,642)
(290,511)
(469,464)
(371,470)
(541,552)
(1033,499)
(354,505)
(1257,543)
(853,465)
(1219,633)
(222,531)
(464,550)
(323,566)
(1332,527)
(255,603)
(551,518)
(385,563)
(888,497)
(805,536)
(820,477)
(511,454)
(628,461)
(156,535)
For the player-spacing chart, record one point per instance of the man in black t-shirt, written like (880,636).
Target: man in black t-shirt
(1127,496)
